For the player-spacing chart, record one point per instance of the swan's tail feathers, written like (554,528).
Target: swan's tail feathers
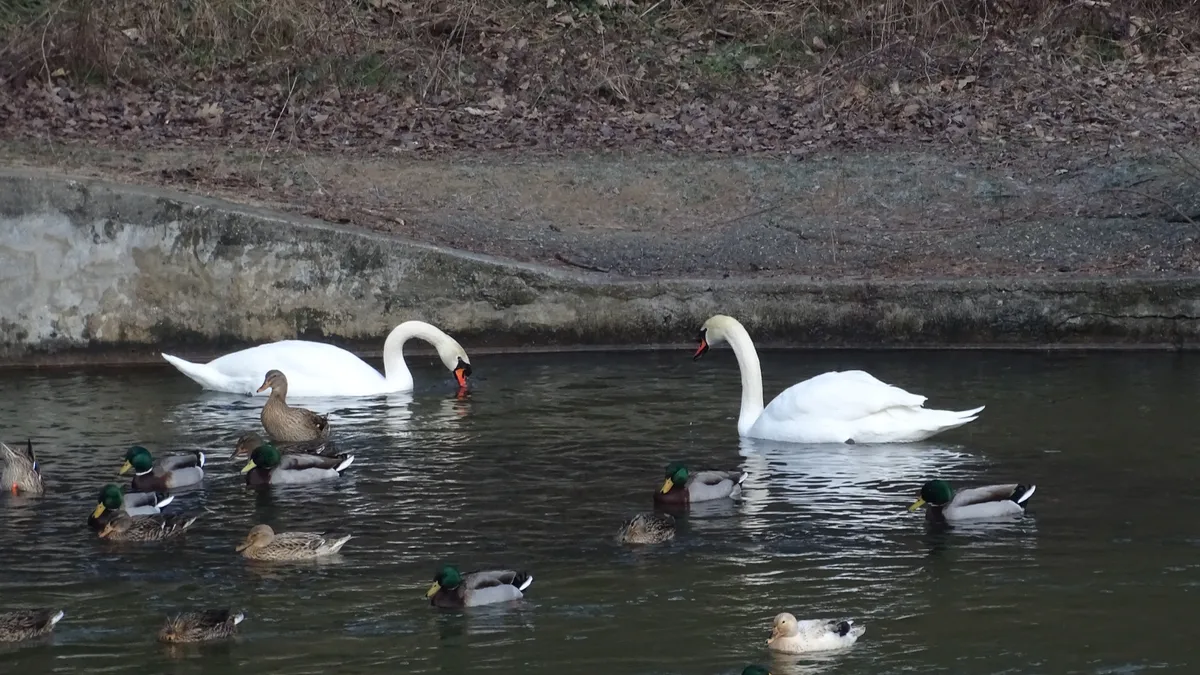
(945,420)
(969,415)
(203,375)
(1023,493)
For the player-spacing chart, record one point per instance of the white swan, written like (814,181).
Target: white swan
(835,407)
(319,369)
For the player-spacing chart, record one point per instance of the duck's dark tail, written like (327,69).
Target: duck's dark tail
(1022,493)
(522,580)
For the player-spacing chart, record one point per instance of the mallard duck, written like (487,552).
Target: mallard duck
(452,589)
(981,503)
(249,442)
(146,528)
(210,624)
(647,528)
(285,423)
(263,544)
(755,670)
(113,501)
(24,624)
(21,473)
(682,487)
(814,635)
(267,466)
(166,473)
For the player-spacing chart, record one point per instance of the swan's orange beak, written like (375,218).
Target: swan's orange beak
(701,349)
(460,374)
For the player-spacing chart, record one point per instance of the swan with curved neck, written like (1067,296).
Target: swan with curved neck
(320,369)
(836,407)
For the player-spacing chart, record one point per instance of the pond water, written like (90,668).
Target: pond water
(539,465)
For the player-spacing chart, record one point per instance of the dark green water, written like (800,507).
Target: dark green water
(537,468)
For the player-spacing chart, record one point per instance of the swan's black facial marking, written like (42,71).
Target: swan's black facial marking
(703,338)
(461,372)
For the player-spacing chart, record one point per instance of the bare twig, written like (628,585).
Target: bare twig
(1153,198)
(286,104)
(582,265)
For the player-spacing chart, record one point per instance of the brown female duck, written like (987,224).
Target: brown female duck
(210,624)
(285,423)
(146,528)
(25,624)
(21,472)
(262,543)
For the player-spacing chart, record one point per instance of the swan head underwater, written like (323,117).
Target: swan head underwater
(713,333)
(455,358)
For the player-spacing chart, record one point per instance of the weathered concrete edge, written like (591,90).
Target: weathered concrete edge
(368,282)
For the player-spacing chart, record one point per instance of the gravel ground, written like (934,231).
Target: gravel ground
(998,212)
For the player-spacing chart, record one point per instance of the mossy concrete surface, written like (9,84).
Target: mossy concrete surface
(93,271)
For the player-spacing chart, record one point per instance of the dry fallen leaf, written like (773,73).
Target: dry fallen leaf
(210,112)
(818,44)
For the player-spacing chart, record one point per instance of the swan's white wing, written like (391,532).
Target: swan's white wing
(839,396)
(312,368)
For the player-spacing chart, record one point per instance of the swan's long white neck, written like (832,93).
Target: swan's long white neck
(395,370)
(747,358)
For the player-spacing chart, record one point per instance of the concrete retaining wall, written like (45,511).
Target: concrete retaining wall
(95,271)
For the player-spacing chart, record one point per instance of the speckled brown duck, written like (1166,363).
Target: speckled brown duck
(287,424)
(202,626)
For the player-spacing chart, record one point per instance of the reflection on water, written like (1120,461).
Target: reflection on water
(541,463)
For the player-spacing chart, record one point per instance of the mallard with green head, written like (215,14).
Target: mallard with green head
(989,502)
(113,501)
(284,423)
(26,624)
(268,466)
(167,473)
(263,544)
(21,474)
(684,487)
(790,636)
(647,528)
(249,442)
(146,528)
(453,589)
(202,626)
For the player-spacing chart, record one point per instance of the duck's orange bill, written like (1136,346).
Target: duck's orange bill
(667,485)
